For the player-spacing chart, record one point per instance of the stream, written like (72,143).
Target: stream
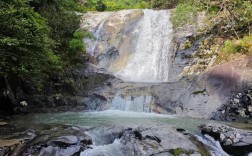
(101,126)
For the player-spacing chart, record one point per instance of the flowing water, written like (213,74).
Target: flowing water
(147,61)
(150,61)
(144,46)
(116,118)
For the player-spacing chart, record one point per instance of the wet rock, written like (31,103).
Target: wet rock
(250,109)
(14,139)
(234,141)
(50,150)
(5,151)
(10,143)
(113,29)
(3,123)
(138,135)
(65,141)
(106,58)
(95,102)
(238,108)
(137,141)
(153,138)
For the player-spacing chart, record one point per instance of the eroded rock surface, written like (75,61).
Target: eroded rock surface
(234,141)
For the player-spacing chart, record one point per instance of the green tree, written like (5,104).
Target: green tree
(25,45)
(100,6)
(63,22)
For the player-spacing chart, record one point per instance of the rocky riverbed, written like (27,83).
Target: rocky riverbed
(118,133)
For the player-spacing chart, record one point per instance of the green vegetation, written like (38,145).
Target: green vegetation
(163,4)
(179,151)
(25,45)
(200,92)
(243,45)
(184,14)
(111,5)
(100,6)
(39,39)
(231,21)
(234,48)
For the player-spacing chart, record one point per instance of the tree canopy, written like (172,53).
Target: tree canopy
(36,38)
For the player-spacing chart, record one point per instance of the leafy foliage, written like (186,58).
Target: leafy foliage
(110,5)
(35,37)
(232,21)
(164,4)
(100,6)
(184,14)
(234,48)
(25,45)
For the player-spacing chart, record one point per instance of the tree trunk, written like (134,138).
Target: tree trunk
(10,94)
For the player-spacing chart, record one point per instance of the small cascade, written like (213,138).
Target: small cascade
(150,61)
(134,104)
(214,146)
(116,148)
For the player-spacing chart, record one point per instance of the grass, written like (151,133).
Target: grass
(235,48)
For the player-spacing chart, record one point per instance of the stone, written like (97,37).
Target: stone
(50,150)
(9,143)
(67,140)
(250,109)
(222,137)
(95,102)
(238,135)
(228,142)
(237,142)
(3,123)
(236,100)
(242,113)
(23,103)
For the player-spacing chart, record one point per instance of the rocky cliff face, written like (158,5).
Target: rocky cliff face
(111,31)
(196,86)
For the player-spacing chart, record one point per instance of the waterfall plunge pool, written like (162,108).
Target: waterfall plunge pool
(111,118)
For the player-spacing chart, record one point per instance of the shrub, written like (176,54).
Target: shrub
(184,14)
(100,6)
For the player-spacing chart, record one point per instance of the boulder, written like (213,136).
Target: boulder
(234,141)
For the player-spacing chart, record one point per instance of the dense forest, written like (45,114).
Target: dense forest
(38,38)
(41,41)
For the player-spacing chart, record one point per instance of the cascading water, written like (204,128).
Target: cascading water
(143,44)
(150,60)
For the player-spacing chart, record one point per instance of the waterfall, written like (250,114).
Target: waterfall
(150,61)
(133,45)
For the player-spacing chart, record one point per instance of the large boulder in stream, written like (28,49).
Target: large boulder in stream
(61,140)
(152,141)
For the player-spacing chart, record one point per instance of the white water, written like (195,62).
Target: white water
(150,62)
(215,147)
(106,150)
(136,104)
